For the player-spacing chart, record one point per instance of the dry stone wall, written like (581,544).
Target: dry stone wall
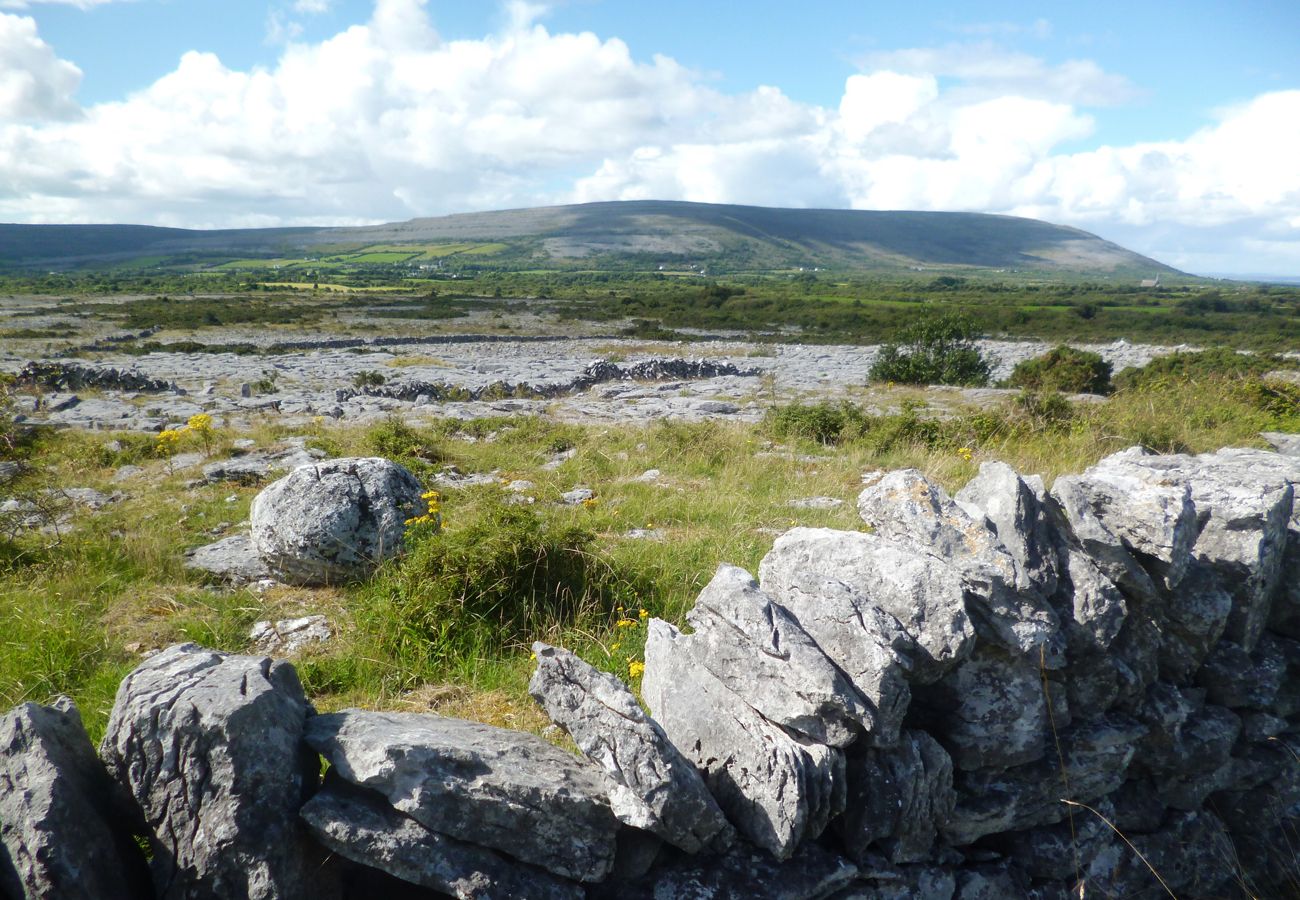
(1009,693)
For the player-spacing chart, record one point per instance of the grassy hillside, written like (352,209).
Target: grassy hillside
(646,235)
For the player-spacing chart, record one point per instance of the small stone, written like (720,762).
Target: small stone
(289,637)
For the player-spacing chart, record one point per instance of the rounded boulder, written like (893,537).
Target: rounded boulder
(335,521)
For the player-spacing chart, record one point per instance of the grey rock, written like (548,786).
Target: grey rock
(644,534)
(334,521)
(906,507)
(990,710)
(253,469)
(1191,623)
(1078,506)
(1096,606)
(63,830)
(358,825)
(776,789)
(505,790)
(1284,617)
(1091,761)
(991,882)
(210,746)
(1013,508)
(1059,851)
(230,559)
(654,787)
(897,798)
(289,637)
(1234,678)
(1192,853)
(558,459)
(759,651)
(879,881)
(742,874)
(809,568)
(815,503)
(577,496)
(1285,444)
(717,408)
(1190,762)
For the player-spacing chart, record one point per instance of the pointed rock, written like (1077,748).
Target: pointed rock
(655,788)
(1013,507)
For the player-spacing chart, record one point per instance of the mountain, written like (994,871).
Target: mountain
(632,234)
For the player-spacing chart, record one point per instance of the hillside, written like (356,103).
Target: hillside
(630,234)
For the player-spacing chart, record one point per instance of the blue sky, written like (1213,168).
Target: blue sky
(1169,127)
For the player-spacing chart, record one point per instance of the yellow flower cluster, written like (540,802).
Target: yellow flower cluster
(635,668)
(199,423)
(966,453)
(590,502)
(167,441)
(433,515)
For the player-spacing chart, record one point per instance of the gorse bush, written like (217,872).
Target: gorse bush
(1198,366)
(934,350)
(1063,369)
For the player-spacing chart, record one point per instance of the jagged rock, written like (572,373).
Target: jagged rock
(906,507)
(655,788)
(1244,501)
(1284,618)
(358,825)
(1096,606)
(989,711)
(1192,622)
(1096,759)
(1012,505)
(231,559)
(742,874)
(1190,762)
(289,637)
(1192,854)
(1076,507)
(1092,683)
(1234,678)
(815,503)
(880,881)
(334,521)
(827,578)
(64,831)
(897,798)
(1147,513)
(577,496)
(501,789)
(1057,851)
(759,651)
(210,746)
(776,789)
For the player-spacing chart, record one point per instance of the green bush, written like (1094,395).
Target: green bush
(1198,366)
(416,448)
(1063,369)
(826,423)
(367,378)
(934,350)
(502,580)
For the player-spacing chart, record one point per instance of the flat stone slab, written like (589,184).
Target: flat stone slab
(231,559)
(506,790)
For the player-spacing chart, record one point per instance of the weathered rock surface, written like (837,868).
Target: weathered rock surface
(64,831)
(1014,507)
(776,789)
(759,651)
(505,790)
(906,507)
(654,787)
(359,825)
(289,637)
(210,746)
(897,798)
(742,874)
(334,521)
(232,559)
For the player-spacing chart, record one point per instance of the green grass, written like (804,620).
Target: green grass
(448,627)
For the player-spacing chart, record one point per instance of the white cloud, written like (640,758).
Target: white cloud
(388,120)
(34,83)
(312,7)
(79,4)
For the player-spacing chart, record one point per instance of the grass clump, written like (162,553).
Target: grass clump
(824,423)
(416,448)
(1063,369)
(934,350)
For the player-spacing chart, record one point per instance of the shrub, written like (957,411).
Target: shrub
(415,448)
(1198,366)
(503,579)
(826,423)
(367,378)
(934,350)
(1063,369)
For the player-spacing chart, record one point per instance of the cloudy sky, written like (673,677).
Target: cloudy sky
(1170,127)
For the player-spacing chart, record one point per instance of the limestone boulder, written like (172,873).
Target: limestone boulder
(760,652)
(777,789)
(64,828)
(505,790)
(231,559)
(1013,506)
(210,746)
(654,787)
(334,521)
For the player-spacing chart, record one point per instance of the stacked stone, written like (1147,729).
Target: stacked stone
(1007,693)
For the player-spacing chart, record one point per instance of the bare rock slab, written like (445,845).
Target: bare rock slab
(761,653)
(61,832)
(776,789)
(231,559)
(289,637)
(654,787)
(334,521)
(505,790)
(360,825)
(210,746)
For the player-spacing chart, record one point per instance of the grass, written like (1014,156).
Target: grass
(449,626)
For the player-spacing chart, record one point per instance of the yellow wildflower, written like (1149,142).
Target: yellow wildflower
(965,453)
(644,614)
(626,623)
(613,648)
(635,668)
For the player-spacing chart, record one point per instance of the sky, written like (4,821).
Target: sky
(1172,128)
